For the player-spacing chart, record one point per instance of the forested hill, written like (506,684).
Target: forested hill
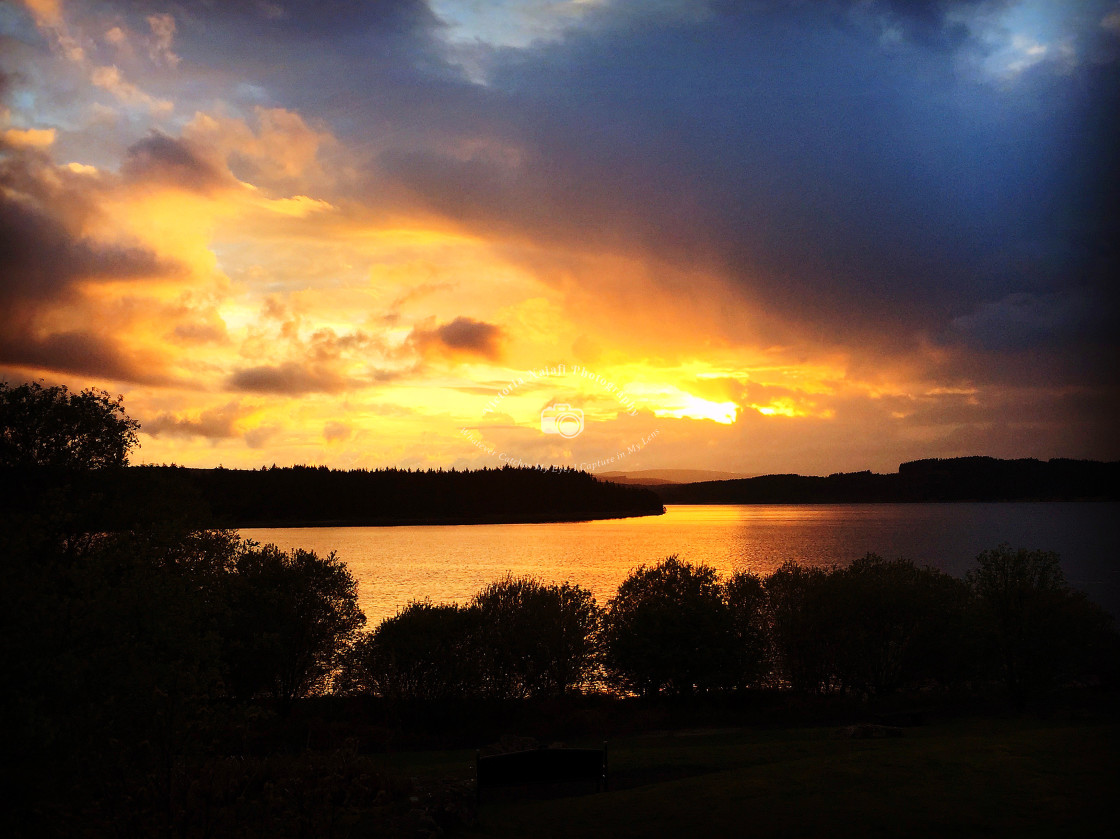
(951,479)
(305,495)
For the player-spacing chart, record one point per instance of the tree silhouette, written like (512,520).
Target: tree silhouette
(669,628)
(425,653)
(537,639)
(52,427)
(745,594)
(294,617)
(894,623)
(1039,630)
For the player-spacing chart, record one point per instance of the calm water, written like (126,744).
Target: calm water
(394,565)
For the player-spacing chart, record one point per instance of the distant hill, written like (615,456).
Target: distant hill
(657,477)
(950,479)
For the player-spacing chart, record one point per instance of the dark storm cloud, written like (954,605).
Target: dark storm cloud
(81,352)
(462,336)
(847,165)
(288,378)
(865,190)
(831,175)
(929,22)
(171,161)
(1020,321)
(303,19)
(41,258)
(341,60)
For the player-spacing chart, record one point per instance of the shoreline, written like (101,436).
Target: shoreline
(449,521)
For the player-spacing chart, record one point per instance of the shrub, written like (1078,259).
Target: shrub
(895,624)
(293,618)
(1039,633)
(745,595)
(668,628)
(536,639)
(425,653)
(801,621)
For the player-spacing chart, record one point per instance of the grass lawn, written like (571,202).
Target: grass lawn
(1013,777)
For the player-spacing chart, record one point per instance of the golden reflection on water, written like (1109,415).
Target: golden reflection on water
(394,565)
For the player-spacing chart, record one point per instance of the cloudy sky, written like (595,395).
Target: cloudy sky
(747,236)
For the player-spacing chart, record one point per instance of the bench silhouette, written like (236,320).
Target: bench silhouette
(541,767)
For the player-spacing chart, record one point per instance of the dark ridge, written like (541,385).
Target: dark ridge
(317,496)
(934,479)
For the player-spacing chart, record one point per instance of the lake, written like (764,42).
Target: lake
(394,565)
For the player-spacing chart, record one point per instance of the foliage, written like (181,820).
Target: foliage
(669,628)
(951,479)
(1038,630)
(896,624)
(425,653)
(303,494)
(126,644)
(801,620)
(119,663)
(293,617)
(745,594)
(536,639)
(138,648)
(52,427)
(517,639)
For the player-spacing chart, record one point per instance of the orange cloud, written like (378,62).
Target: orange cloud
(278,147)
(355,292)
(215,423)
(28,138)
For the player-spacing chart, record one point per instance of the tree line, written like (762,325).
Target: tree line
(933,479)
(868,629)
(296,495)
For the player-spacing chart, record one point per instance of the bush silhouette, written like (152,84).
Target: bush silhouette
(745,595)
(536,639)
(895,624)
(519,638)
(1039,632)
(669,629)
(801,621)
(425,653)
(293,618)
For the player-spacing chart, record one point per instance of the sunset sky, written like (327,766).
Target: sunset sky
(744,236)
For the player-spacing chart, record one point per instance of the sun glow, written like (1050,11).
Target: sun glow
(789,408)
(687,406)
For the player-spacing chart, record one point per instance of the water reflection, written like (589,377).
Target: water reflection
(396,564)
